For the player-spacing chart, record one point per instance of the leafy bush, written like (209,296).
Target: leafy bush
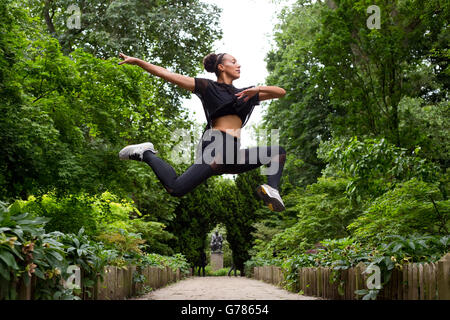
(174,262)
(345,253)
(219,273)
(128,244)
(151,232)
(323,211)
(26,250)
(99,214)
(374,166)
(412,207)
(70,213)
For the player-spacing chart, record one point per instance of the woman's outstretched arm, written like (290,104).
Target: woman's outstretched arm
(265,93)
(184,82)
(270,92)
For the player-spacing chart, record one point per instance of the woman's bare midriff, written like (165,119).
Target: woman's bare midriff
(230,124)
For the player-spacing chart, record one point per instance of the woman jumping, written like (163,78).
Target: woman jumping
(227,110)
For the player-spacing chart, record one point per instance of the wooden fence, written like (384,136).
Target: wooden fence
(117,283)
(269,274)
(416,281)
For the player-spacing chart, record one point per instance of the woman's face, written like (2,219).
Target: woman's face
(230,66)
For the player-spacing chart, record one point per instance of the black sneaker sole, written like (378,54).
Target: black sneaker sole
(272,203)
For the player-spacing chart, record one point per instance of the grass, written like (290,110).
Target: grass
(219,273)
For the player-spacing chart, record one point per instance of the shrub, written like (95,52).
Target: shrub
(412,207)
(26,250)
(70,213)
(219,273)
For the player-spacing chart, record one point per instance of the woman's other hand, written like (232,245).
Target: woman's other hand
(247,93)
(127,59)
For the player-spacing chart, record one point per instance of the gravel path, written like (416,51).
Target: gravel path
(222,288)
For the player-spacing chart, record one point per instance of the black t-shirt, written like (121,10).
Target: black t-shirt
(219,99)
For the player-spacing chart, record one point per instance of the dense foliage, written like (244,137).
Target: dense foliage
(27,249)
(366,123)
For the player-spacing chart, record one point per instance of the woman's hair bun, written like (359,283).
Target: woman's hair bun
(209,62)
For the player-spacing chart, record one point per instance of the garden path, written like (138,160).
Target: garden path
(221,288)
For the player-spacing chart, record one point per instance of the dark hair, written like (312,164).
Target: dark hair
(212,60)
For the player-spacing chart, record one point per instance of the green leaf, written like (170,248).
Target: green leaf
(39,273)
(19,216)
(397,247)
(4,272)
(35,221)
(55,254)
(8,258)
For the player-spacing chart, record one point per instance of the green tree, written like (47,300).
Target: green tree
(323,212)
(174,33)
(239,204)
(344,79)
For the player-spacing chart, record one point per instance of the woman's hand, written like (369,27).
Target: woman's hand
(127,59)
(247,93)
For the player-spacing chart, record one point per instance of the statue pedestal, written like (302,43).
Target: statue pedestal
(216,260)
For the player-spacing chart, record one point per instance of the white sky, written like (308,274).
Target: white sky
(247,27)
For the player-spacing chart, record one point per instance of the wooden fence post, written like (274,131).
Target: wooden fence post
(351,282)
(359,277)
(270,274)
(23,289)
(321,282)
(399,288)
(405,282)
(410,281)
(279,276)
(415,278)
(130,281)
(308,281)
(301,280)
(393,281)
(160,277)
(443,277)
(152,277)
(265,273)
(421,282)
(111,283)
(314,281)
(433,278)
(427,281)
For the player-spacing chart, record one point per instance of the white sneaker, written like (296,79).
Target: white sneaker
(271,197)
(136,151)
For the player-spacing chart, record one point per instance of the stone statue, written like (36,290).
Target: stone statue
(216,242)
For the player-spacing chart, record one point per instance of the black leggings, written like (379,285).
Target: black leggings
(208,162)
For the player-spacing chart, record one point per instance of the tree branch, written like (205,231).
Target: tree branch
(48,18)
